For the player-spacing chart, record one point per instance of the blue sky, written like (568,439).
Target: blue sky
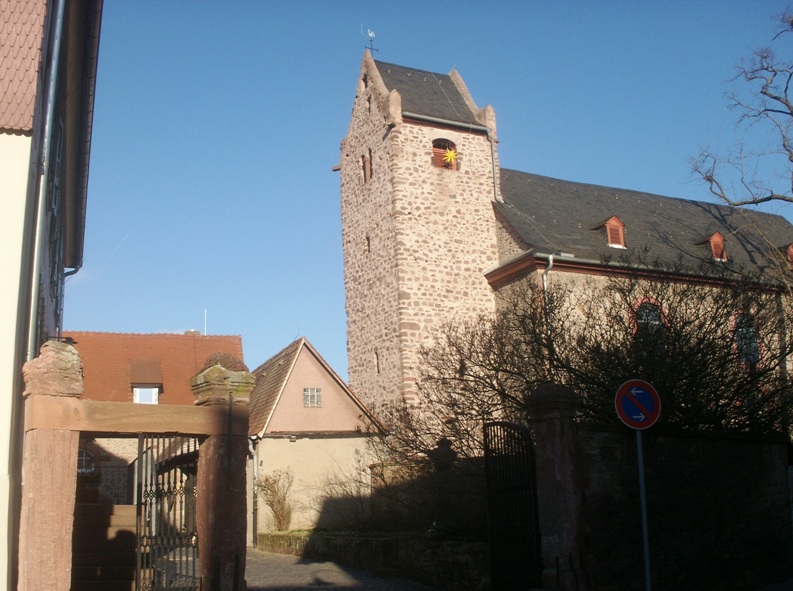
(217,124)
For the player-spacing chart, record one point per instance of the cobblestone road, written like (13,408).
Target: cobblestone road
(277,572)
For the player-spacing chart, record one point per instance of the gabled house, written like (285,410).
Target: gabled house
(141,368)
(47,82)
(306,421)
(433,227)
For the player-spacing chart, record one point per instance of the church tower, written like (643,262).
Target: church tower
(419,176)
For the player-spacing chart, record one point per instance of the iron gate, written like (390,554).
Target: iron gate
(167,537)
(513,522)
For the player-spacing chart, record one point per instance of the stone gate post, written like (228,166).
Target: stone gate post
(221,487)
(49,476)
(552,408)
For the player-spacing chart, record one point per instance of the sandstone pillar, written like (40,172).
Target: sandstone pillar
(552,409)
(221,487)
(49,476)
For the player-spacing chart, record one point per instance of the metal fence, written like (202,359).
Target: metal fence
(513,523)
(167,537)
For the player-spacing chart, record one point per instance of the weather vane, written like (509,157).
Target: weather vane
(370,34)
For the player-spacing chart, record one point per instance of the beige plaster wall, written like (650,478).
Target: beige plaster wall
(312,461)
(337,413)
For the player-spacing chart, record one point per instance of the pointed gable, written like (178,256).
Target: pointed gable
(288,387)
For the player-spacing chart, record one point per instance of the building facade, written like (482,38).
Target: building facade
(48,72)
(419,174)
(433,227)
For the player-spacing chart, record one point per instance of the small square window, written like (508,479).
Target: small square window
(146,394)
(312,397)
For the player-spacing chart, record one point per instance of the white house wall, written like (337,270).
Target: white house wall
(14,163)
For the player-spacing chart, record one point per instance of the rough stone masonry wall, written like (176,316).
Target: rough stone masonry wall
(417,240)
(368,240)
(446,237)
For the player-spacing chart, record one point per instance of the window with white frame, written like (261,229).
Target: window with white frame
(312,397)
(146,394)
(85,462)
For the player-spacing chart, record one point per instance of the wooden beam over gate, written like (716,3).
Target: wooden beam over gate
(75,414)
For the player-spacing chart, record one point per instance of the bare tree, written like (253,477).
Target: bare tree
(752,176)
(715,350)
(275,489)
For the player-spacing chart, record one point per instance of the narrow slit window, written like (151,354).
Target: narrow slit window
(366,165)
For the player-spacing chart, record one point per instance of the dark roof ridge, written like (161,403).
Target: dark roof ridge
(698,202)
(280,353)
(391,64)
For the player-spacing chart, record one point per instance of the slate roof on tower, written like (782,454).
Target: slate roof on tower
(427,93)
(557,216)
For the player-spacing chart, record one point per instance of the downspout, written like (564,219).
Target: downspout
(551,353)
(255,500)
(469,127)
(44,175)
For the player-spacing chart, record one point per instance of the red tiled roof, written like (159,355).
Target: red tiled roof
(21,32)
(271,378)
(111,359)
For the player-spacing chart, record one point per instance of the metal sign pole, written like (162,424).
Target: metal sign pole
(638,406)
(643,499)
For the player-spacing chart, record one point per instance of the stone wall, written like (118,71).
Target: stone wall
(718,510)
(417,238)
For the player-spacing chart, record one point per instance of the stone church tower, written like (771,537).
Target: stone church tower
(419,177)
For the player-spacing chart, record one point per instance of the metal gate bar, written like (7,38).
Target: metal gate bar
(167,537)
(513,521)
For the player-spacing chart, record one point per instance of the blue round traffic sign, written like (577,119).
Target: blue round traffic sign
(638,404)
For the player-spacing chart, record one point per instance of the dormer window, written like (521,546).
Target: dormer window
(444,154)
(615,232)
(717,247)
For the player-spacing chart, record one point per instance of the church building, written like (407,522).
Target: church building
(432,226)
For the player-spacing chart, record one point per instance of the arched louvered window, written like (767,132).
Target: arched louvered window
(444,154)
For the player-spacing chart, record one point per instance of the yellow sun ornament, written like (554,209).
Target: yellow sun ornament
(450,156)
